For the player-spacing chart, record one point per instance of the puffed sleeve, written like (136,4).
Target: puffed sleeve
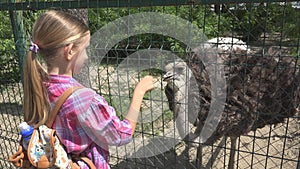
(99,120)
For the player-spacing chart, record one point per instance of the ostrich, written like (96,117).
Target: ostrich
(262,89)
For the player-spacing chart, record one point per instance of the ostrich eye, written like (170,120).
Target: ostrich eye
(179,69)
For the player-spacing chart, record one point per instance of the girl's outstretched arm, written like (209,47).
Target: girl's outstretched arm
(146,84)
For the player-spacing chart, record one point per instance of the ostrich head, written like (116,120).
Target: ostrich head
(177,75)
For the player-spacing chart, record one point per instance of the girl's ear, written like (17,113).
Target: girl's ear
(69,52)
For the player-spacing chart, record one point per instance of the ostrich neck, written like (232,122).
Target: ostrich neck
(182,93)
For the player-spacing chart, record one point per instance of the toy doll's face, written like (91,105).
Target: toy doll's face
(82,55)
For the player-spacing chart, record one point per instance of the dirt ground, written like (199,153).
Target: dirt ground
(270,147)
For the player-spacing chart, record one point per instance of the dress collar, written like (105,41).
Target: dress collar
(60,78)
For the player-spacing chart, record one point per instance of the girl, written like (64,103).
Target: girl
(85,124)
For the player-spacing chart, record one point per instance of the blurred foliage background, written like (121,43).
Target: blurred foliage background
(254,23)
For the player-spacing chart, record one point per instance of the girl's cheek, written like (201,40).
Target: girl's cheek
(80,62)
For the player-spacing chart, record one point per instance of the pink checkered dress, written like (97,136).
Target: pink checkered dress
(86,124)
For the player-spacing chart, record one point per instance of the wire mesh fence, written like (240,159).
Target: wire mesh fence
(256,50)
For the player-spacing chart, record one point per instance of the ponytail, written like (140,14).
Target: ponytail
(36,104)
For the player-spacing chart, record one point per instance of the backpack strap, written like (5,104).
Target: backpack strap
(58,104)
(87,161)
(52,117)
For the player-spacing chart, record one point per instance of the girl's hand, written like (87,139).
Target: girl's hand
(145,84)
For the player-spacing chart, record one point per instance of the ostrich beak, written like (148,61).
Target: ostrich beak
(169,76)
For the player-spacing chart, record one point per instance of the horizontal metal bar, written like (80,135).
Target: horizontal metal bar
(115,3)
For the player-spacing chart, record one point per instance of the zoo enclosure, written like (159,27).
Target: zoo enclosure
(253,22)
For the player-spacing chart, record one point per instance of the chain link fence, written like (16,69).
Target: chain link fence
(267,48)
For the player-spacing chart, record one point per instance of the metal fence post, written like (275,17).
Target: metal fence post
(19,36)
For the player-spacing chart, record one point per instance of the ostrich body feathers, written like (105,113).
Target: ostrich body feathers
(262,89)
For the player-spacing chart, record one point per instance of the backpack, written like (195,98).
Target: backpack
(44,148)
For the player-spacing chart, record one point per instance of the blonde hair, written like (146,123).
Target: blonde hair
(52,30)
